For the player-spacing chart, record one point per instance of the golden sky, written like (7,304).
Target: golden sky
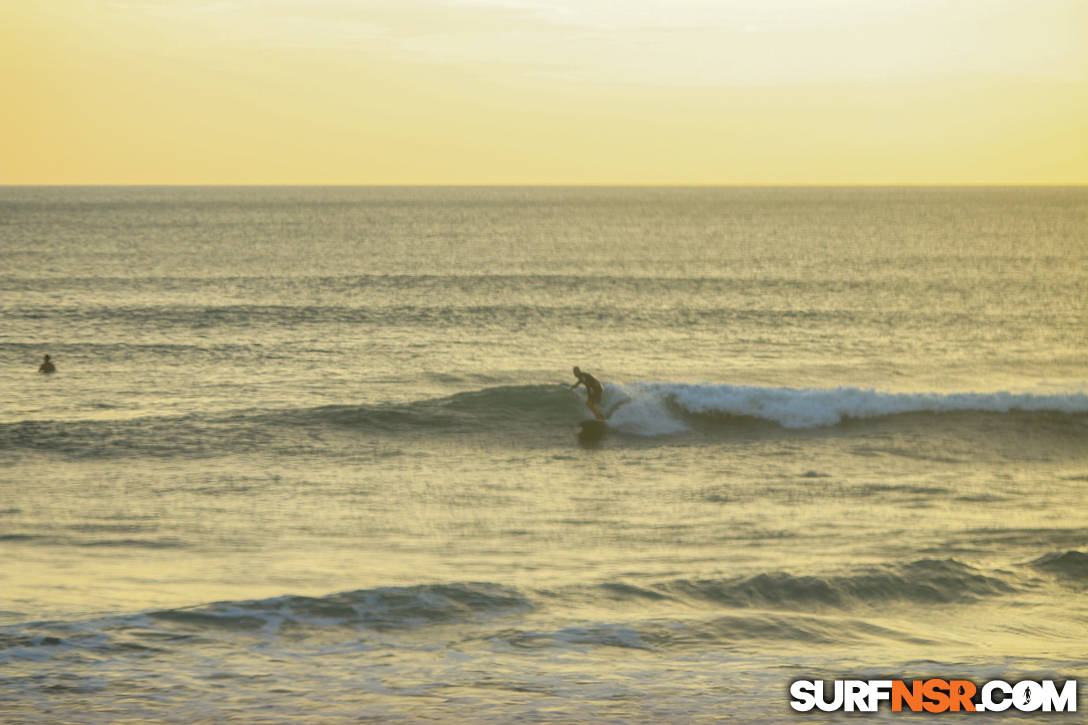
(543,91)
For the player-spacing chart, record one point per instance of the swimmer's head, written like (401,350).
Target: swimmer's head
(577,370)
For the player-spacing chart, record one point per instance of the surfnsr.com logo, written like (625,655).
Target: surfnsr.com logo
(933,695)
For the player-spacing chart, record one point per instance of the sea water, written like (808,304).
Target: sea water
(310,454)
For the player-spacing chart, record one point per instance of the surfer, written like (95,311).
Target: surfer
(47,366)
(594,390)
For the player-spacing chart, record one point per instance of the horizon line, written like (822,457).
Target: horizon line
(618,185)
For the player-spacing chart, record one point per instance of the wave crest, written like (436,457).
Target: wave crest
(814,407)
(382,608)
(522,413)
(1069,565)
(927,581)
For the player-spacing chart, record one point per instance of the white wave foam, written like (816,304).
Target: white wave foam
(813,407)
(644,413)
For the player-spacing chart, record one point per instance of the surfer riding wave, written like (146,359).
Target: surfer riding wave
(594,390)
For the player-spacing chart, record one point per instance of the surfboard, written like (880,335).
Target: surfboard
(591,431)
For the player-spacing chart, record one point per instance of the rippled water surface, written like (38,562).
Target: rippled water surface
(310,455)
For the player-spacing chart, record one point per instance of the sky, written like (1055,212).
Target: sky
(732,92)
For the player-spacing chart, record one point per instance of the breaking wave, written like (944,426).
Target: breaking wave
(379,609)
(816,407)
(765,606)
(524,412)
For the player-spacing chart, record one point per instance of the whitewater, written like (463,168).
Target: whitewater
(311,454)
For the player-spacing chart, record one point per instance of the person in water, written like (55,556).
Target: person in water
(594,390)
(47,366)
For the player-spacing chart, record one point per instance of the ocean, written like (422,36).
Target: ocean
(310,454)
